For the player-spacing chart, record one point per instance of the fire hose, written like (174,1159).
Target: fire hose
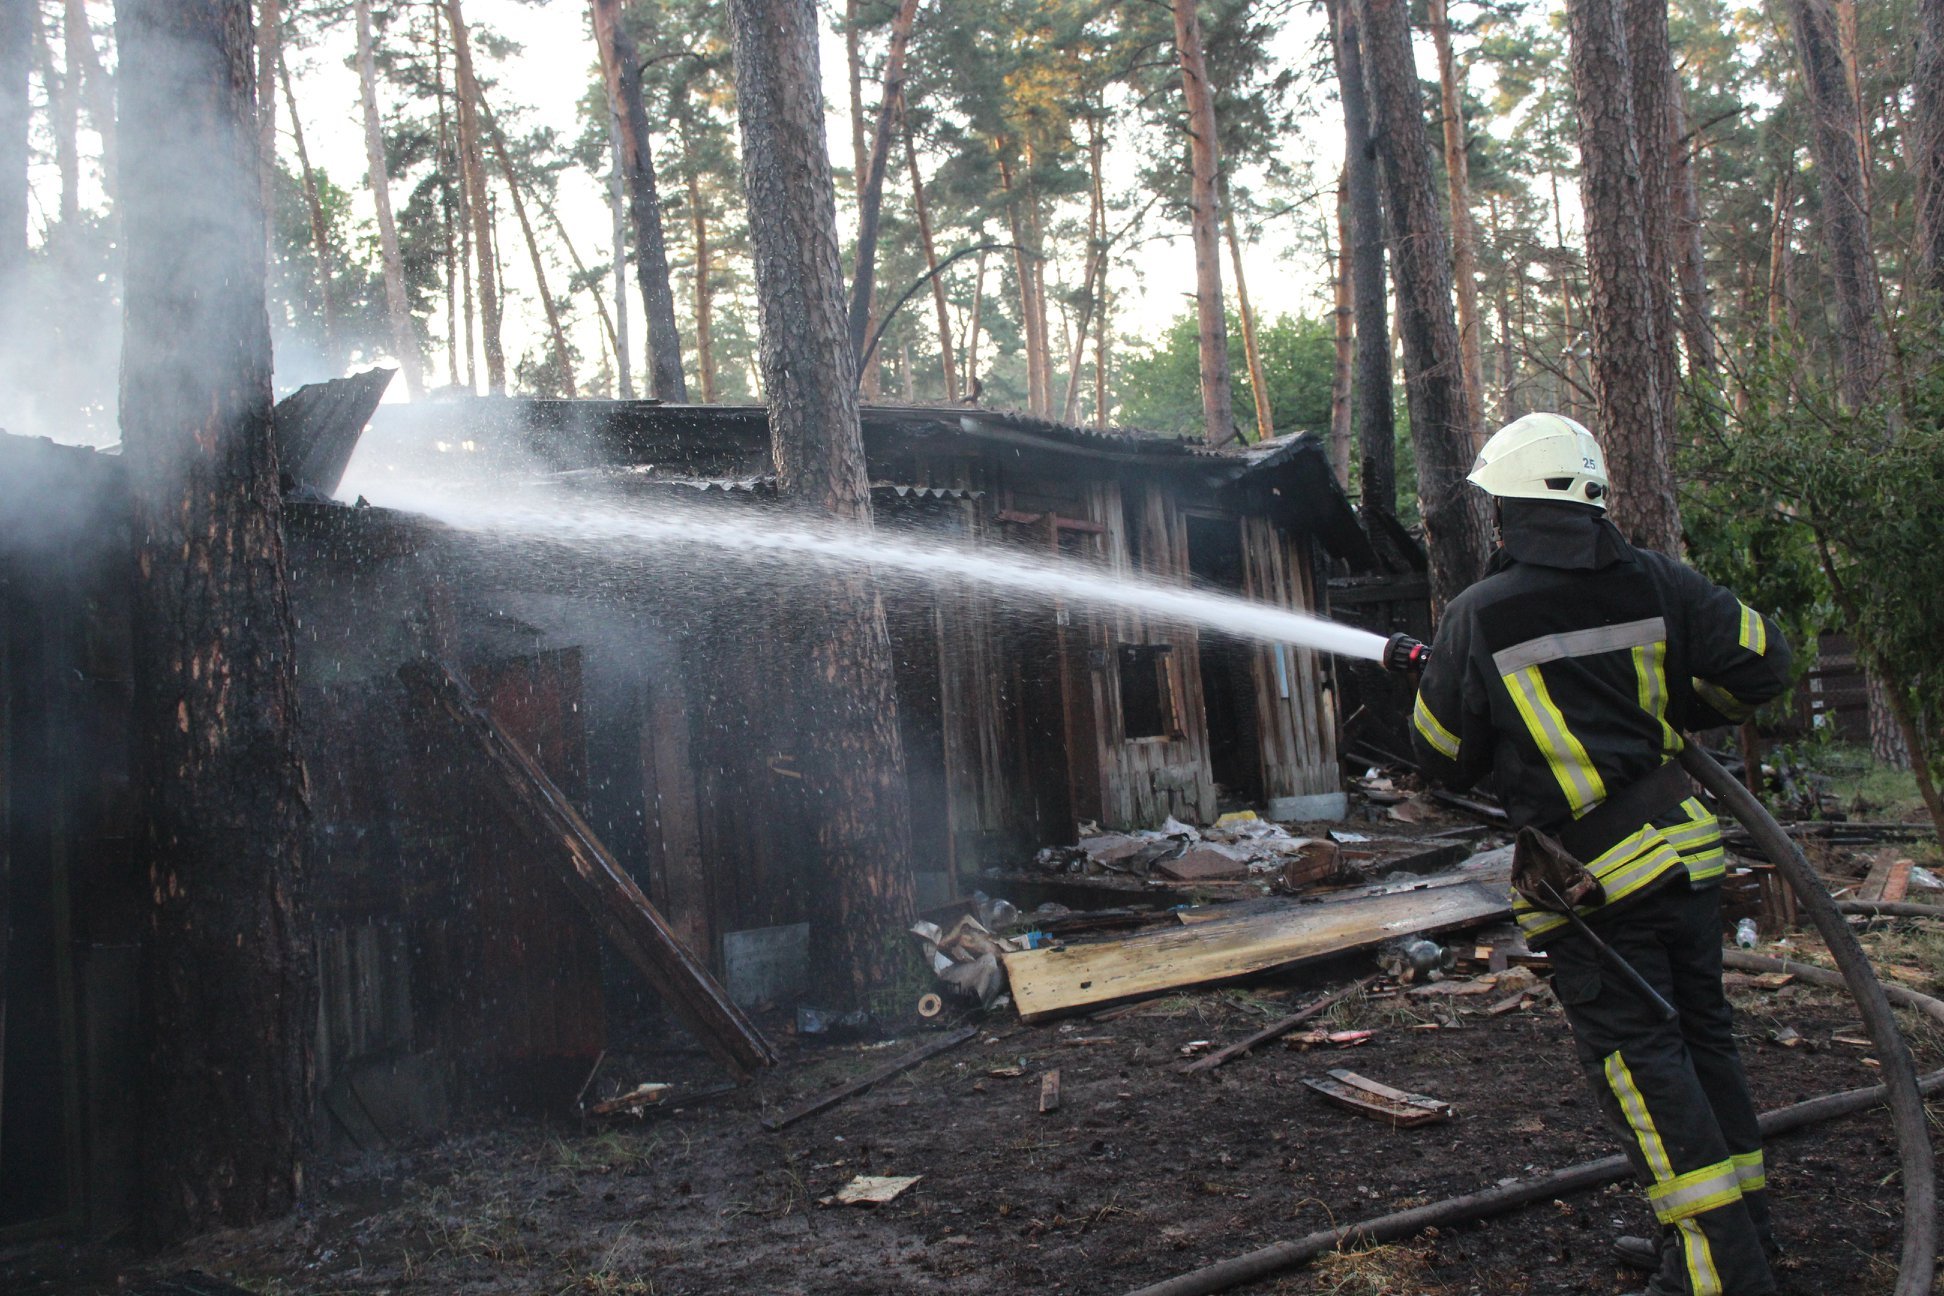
(1903,1089)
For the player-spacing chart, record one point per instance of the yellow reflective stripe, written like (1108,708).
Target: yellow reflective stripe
(1695,1192)
(1699,842)
(1754,634)
(1750,1171)
(1564,753)
(1650,676)
(1703,1278)
(1633,1105)
(1440,738)
(1730,706)
(1622,869)
(1707,865)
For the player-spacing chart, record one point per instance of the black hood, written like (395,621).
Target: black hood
(1556,533)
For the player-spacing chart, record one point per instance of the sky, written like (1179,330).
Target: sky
(541,86)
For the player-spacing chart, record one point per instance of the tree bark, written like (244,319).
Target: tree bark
(1862,352)
(1096,262)
(62,122)
(1634,411)
(1651,67)
(852,757)
(618,207)
(472,159)
(16,65)
(921,210)
(621,67)
(1464,231)
(269,55)
(1442,419)
(404,330)
(1861,346)
(320,231)
(1101,334)
(230,976)
(1781,222)
(562,356)
(1927,141)
(1032,317)
(705,367)
(1205,161)
(870,195)
(1697,315)
(1344,314)
(1511,270)
(1370,400)
(971,384)
(96,89)
(1252,354)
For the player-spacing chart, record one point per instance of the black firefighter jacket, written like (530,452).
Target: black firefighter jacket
(1571,670)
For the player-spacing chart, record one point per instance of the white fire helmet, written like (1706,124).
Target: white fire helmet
(1542,457)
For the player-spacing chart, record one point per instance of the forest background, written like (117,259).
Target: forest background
(1041,156)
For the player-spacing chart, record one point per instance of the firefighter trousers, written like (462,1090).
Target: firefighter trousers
(1675,1091)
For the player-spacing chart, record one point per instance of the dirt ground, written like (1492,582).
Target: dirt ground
(1141,1173)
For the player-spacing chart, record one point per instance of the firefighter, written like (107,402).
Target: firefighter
(1568,675)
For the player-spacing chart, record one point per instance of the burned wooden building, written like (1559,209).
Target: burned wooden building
(453,965)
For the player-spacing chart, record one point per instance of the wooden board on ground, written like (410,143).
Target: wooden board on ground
(1889,880)
(1052,981)
(1203,865)
(1366,1097)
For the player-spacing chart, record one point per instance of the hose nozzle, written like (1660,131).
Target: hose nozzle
(1403,653)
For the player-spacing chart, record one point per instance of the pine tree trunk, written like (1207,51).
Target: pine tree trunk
(921,210)
(1031,318)
(16,65)
(1345,315)
(860,148)
(320,232)
(1096,262)
(1634,414)
(971,385)
(851,754)
(562,356)
(1781,223)
(1697,315)
(1442,419)
(63,122)
(621,67)
(1464,231)
(1252,354)
(269,54)
(1370,401)
(1862,351)
(618,207)
(1926,145)
(449,195)
(1652,68)
(472,165)
(1510,272)
(1101,334)
(1205,161)
(229,970)
(870,195)
(404,331)
(95,89)
(705,367)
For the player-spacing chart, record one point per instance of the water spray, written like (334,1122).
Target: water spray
(608,530)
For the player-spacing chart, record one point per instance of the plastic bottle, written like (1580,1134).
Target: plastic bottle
(1745,935)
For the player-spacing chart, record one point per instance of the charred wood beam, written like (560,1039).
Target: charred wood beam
(618,908)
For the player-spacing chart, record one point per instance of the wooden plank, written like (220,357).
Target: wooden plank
(1051,981)
(825,1101)
(598,882)
(1050,1091)
(1367,1097)
(1275,1030)
(1897,886)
